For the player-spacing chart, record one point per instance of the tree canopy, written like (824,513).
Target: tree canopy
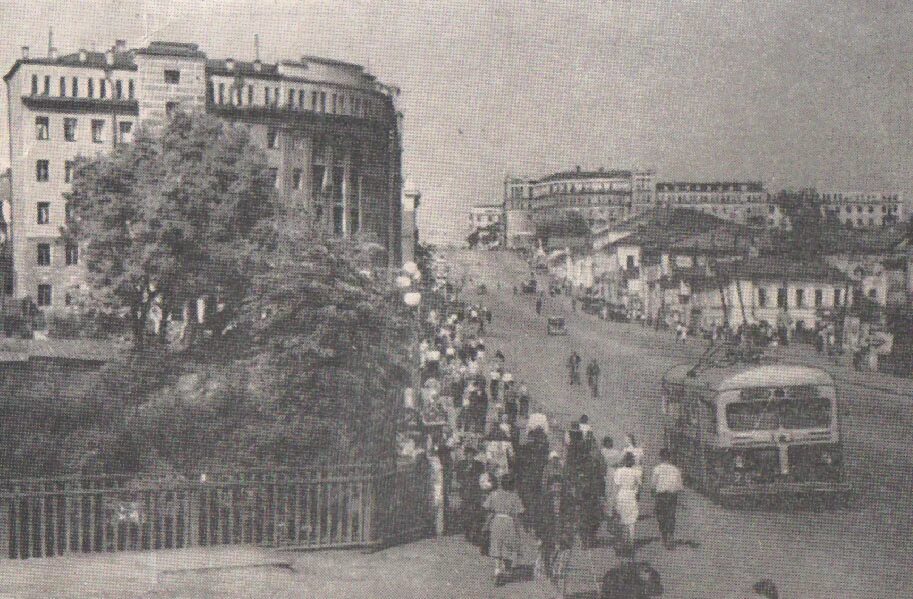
(173,216)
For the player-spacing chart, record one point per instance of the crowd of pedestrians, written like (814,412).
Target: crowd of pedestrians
(525,491)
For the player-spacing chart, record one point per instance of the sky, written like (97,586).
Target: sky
(796,94)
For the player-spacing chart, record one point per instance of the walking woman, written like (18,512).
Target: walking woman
(504,545)
(627,482)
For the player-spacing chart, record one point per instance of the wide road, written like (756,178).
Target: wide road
(865,550)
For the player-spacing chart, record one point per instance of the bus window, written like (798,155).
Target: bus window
(788,408)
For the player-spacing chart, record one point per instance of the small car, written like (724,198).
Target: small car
(555,325)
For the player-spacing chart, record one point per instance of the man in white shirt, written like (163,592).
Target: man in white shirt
(666,481)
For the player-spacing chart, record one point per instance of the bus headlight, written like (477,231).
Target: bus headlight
(739,462)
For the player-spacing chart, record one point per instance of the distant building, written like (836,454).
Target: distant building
(602,197)
(481,217)
(745,202)
(330,131)
(856,209)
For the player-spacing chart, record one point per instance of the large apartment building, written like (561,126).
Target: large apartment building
(603,197)
(745,202)
(330,130)
(856,209)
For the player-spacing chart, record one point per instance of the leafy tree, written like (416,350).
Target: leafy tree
(172,217)
(569,223)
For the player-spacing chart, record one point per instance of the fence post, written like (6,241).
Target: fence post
(5,526)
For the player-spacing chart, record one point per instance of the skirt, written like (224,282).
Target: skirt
(626,506)
(504,542)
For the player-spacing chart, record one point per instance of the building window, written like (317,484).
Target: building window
(800,298)
(342,104)
(170,108)
(75,91)
(42,126)
(273,177)
(90,87)
(272,136)
(250,95)
(323,101)
(354,221)
(314,101)
(34,85)
(44,213)
(63,87)
(69,129)
(266,96)
(338,177)
(276,96)
(44,295)
(291,98)
(338,214)
(355,105)
(68,172)
(334,103)
(317,174)
(239,95)
(221,93)
(125,132)
(296,178)
(44,254)
(102,88)
(762,297)
(72,254)
(47,85)
(131,89)
(837,297)
(301,99)
(98,131)
(781,297)
(172,76)
(41,170)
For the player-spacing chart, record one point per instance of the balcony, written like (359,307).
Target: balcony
(90,105)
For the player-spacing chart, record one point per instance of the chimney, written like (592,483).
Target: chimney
(52,53)
(82,55)
(230,64)
(109,58)
(25,52)
(258,66)
(120,46)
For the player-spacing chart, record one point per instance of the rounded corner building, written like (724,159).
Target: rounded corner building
(330,130)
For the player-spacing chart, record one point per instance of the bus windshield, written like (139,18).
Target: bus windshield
(772,408)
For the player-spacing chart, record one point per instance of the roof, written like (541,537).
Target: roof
(575,174)
(662,231)
(183,50)
(744,376)
(863,241)
(123,61)
(780,268)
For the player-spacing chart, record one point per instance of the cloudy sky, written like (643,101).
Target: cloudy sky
(804,93)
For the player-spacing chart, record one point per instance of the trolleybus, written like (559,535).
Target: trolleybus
(744,430)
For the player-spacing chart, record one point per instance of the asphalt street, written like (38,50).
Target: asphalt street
(861,550)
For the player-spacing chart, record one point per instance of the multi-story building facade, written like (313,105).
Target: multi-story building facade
(744,202)
(330,131)
(481,217)
(603,197)
(858,209)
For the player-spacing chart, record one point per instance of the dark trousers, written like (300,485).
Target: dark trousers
(665,515)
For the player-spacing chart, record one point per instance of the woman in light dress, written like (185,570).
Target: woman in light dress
(505,507)
(628,480)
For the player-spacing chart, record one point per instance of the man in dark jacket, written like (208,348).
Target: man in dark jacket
(468,472)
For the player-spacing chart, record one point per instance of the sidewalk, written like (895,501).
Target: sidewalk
(442,568)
